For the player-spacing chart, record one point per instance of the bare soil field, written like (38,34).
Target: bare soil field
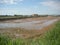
(27,28)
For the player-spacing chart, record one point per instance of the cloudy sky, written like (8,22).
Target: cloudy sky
(28,7)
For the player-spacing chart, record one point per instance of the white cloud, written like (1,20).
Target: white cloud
(52,4)
(10,1)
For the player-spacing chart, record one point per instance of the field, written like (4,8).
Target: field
(47,35)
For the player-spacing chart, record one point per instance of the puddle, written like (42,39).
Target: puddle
(28,25)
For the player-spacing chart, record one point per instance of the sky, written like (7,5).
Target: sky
(28,7)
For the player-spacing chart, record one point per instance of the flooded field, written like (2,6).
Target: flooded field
(25,28)
(28,25)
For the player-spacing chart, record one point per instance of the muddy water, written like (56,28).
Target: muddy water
(28,25)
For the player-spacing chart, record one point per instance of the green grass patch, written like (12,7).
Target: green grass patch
(52,37)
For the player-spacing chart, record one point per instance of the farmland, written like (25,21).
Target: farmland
(30,31)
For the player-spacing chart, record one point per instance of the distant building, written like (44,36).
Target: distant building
(49,16)
(35,15)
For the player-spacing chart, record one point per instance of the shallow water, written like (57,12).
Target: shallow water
(28,25)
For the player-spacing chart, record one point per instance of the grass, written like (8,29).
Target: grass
(51,37)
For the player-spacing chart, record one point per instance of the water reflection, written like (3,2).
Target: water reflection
(28,25)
